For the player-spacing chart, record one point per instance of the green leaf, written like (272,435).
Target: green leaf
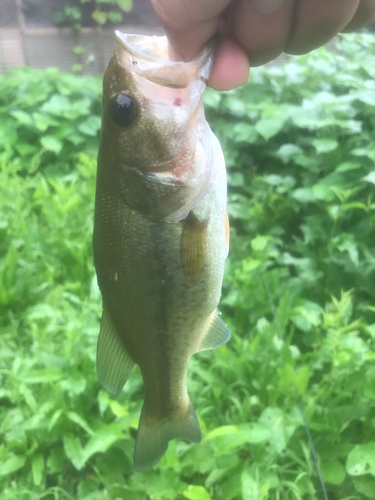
(211,98)
(56,459)
(355,204)
(361,460)
(50,143)
(22,117)
(91,126)
(196,493)
(302,379)
(287,377)
(102,440)
(87,486)
(57,105)
(282,429)
(29,397)
(231,487)
(333,472)
(269,127)
(55,417)
(223,431)
(302,118)
(73,12)
(259,243)
(324,145)
(99,16)
(244,132)
(365,485)
(303,195)
(44,376)
(79,49)
(256,433)
(42,121)
(370,177)
(253,489)
(236,179)
(247,433)
(115,17)
(366,96)
(12,464)
(77,419)
(306,315)
(38,468)
(289,150)
(125,5)
(347,166)
(323,192)
(73,450)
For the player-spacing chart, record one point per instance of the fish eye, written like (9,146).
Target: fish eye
(124,110)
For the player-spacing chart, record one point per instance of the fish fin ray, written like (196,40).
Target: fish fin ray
(193,247)
(154,434)
(227,233)
(113,363)
(216,334)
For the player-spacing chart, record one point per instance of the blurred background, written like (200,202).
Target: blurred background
(43,33)
(298,293)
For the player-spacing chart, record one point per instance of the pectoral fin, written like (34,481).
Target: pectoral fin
(216,333)
(193,246)
(113,363)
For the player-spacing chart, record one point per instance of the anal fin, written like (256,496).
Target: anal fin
(113,363)
(216,333)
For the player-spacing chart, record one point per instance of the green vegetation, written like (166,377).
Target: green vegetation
(77,13)
(300,147)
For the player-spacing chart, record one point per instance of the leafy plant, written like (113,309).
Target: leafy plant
(298,295)
(80,12)
(46,118)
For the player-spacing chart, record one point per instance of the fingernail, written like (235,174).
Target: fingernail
(266,6)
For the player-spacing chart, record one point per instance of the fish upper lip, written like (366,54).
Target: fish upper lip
(127,43)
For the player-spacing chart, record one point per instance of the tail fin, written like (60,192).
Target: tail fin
(153,435)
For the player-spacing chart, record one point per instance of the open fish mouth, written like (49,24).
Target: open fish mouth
(148,56)
(147,48)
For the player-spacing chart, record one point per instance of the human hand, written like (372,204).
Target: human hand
(254,32)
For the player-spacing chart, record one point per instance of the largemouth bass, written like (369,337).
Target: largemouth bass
(160,234)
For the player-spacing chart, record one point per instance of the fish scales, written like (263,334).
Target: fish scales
(159,235)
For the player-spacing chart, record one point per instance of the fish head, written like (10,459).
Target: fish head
(151,105)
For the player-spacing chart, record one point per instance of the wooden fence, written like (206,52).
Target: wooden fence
(28,37)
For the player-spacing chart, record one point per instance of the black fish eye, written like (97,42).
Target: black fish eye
(124,110)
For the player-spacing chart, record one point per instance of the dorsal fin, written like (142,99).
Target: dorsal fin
(216,333)
(113,363)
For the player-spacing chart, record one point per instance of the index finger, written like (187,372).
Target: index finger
(189,23)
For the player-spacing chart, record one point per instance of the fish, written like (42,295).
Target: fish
(161,234)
